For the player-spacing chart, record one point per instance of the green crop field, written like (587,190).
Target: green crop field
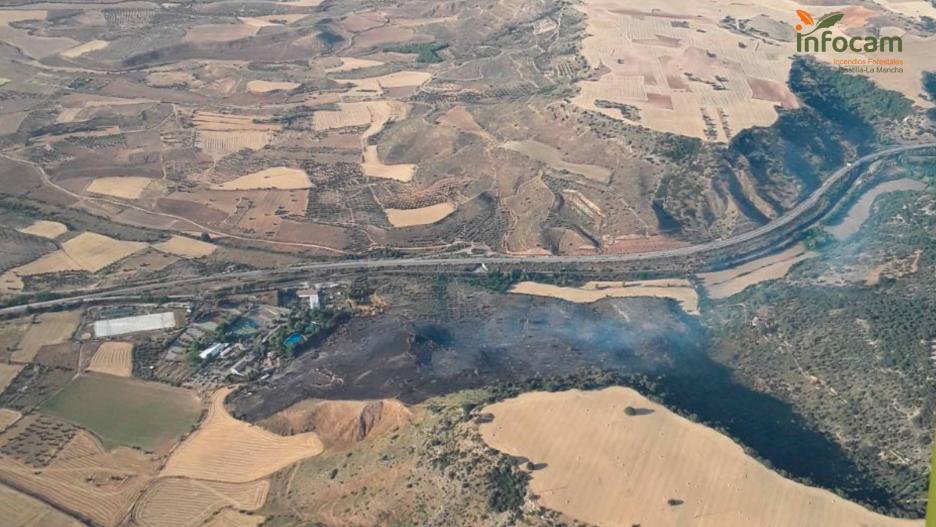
(126,411)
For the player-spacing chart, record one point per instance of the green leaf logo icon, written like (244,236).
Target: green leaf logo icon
(827,21)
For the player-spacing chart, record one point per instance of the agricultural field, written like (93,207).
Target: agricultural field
(180,502)
(605,465)
(7,372)
(45,229)
(85,479)
(46,329)
(127,412)
(113,358)
(227,449)
(186,247)
(19,510)
(679,290)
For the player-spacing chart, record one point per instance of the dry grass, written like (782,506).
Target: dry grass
(606,468)
(420,216)
(7,373)
(19,510)
(279,178)
(225,449)
(220,32)
(49,328)
(45,229)
(352,63)
(87,47)
(182,502)
(186,247)
(113,358)
(119,187)
(270,86)
(347,114)
(232,518)
(549,155)
(86,479)
(86,252)
(723,284)
(677,289)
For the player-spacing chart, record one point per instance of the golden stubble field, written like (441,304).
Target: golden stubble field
(226,449)
(85,479)
(687,73)
(48,328)
(613,470)
(679,290)
(113,358)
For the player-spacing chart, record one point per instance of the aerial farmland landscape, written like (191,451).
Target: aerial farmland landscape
(352,263)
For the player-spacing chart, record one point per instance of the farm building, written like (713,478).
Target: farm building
(313,295)
(121,326)
(218,348)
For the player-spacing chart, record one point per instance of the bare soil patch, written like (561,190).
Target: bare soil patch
(723,284)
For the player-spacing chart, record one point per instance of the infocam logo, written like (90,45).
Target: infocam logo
(820,39)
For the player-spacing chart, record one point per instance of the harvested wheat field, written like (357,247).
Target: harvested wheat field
(19,510)
(48,328)
(182,502)
(119,187)
(232,518)
(85,479)
(723,284)
(352,63)
(374,167)
(45,229)
(278,178)
(7,373)
(420,216)
(87,47)
(8,417)
(677,289)
(226,449)
(88,251)
(185,247)
(113,358)
(221,134)
(606,468)
(270,86)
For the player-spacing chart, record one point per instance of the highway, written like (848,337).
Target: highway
(765,230)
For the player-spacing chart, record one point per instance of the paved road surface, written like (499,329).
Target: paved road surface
(386,263)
